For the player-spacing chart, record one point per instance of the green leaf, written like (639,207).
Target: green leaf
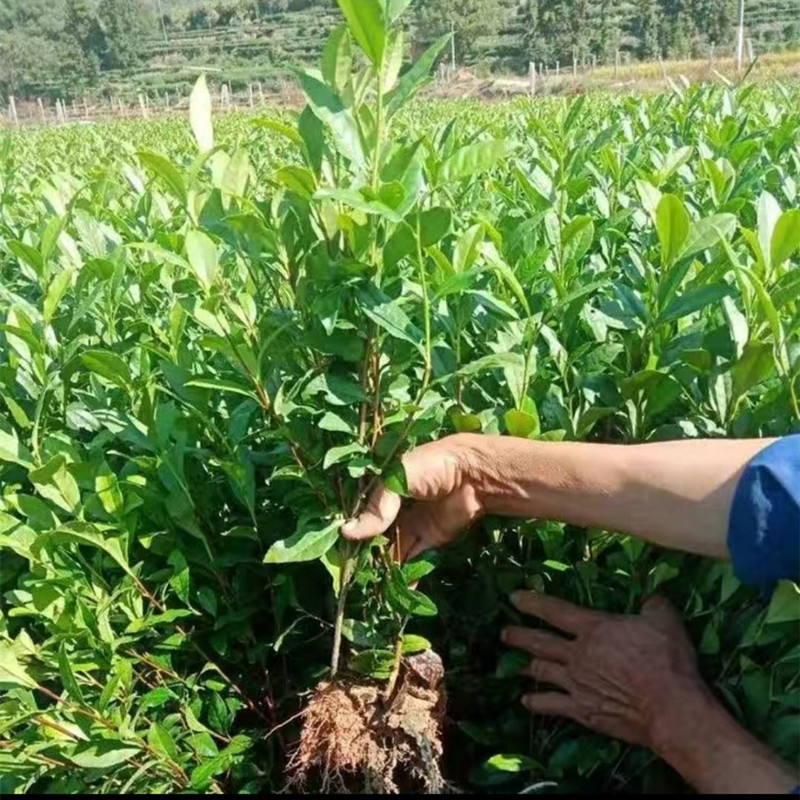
(473,160)
(785,237)
(68,676)
(12,673)
(395,480)
(333,422)
(86,533)
(512,763)
(434,225)
(164,169)
(329,109)
(672,224)
(756,365)
(308,543)
(337,454)
(202,254)
(387,314)
(376,664)
(237,174)
(395,8)
(415,644)
(785,604)
(465,423)
(222,385)
(491,361)
(506,274)
(705,233)
(54,482)
(768,212)
(408,601)
(160,740)
(367,23)
(337,59)
(107,488)
(200,115)
(156,698)
(415,78)
(55,292)
(109,366)
(694,300)
(354,199)
(522,424)
(103,754)
(11,449)
(467,248)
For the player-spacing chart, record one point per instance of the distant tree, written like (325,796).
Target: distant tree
(469,18)
(124,23)
(82,41)
(608,32)
(646,29)
(27,61)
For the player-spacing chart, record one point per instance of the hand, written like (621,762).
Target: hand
(444,477)
(636,678)
(619,675)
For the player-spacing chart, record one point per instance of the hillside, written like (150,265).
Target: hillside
(57,48)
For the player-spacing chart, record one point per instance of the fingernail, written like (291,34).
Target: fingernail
(525,701)
(504,635)
(348,527)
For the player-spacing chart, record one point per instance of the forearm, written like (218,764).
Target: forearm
(676,494)
(714,754)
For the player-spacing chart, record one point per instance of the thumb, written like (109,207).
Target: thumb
(380,513)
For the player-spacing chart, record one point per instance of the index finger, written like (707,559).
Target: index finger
(381,511)
(558,613)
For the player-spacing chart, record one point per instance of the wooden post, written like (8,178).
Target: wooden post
(574,64)
(532,72)
(740,37)
(42,116)
(711,54)
(250,95)
(558,68)
(64,113)
(630,64)
(143,106)
(261,93)
(85,108)
(594,64)
(12,109)
(616,64)
(663,69)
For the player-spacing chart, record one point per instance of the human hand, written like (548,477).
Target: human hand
(444,478)
(636,678)
(620,675)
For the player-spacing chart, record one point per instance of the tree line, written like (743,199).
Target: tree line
(70,43)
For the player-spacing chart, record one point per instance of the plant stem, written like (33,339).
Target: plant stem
(398,660)
(347,574)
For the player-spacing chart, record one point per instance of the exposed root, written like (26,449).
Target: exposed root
(353,740)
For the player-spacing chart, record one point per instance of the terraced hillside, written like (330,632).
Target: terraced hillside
(60,48)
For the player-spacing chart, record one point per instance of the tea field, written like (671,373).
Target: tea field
(214,336)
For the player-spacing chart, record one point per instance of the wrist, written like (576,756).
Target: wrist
(492,466)
(698,738)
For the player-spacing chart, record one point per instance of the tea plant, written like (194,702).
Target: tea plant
(213,345)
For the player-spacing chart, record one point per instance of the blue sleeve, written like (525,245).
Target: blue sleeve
(764,526)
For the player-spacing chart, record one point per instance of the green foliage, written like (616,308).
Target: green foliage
(211,348)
